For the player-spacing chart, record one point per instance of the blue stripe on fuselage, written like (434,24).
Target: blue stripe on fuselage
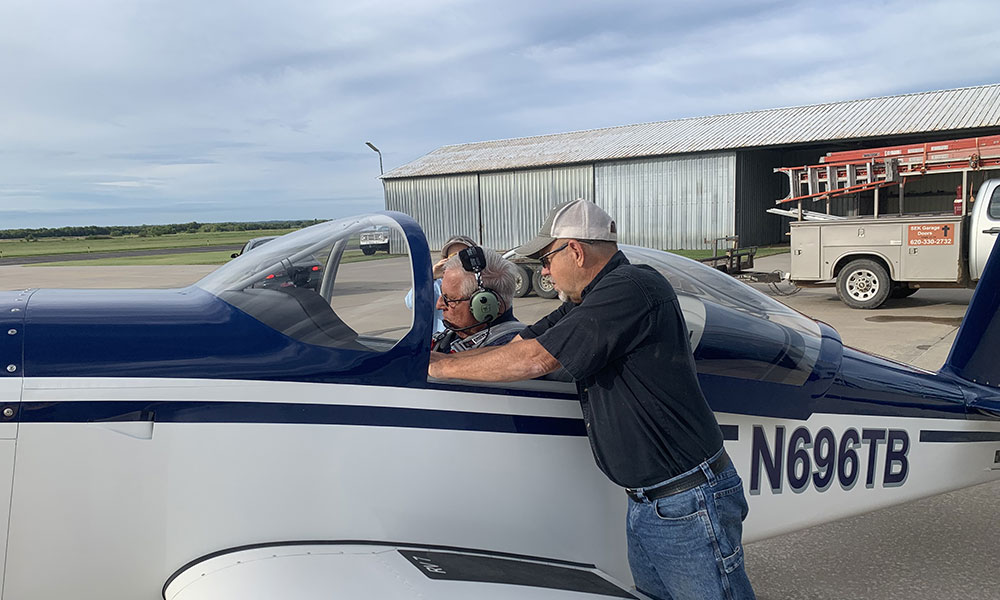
(932,436)
(288,413)
(111,411)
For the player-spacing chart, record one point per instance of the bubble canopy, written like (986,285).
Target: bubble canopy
(309,286)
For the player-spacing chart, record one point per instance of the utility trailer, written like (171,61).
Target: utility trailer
(733,259)
(876,257)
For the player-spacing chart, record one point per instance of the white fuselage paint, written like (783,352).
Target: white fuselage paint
(111,510)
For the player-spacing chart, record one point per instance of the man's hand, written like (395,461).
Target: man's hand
(434,368)
(439,268)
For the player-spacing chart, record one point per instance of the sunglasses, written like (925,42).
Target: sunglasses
(544,259)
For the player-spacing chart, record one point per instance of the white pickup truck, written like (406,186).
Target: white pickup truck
(374,240)
(876,258)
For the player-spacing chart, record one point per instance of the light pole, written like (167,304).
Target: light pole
(372,146)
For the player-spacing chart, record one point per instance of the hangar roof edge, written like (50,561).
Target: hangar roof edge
(944,110)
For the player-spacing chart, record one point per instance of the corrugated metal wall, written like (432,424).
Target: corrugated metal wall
(757,189)
(670,203)
(444,206)
(514,203)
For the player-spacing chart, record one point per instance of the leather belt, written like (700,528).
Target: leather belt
(682,484)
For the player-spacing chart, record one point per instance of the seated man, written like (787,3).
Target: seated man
(477,307)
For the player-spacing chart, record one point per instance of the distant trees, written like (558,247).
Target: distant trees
(98,232)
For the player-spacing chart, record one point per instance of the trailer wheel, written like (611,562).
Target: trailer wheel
(522,281)
(863,284)
(543,286)
(902,291)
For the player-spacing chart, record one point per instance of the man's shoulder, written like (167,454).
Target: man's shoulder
(643,279)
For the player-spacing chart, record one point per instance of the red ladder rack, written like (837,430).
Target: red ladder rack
(853,171)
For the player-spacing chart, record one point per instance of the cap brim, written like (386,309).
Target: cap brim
(533,248)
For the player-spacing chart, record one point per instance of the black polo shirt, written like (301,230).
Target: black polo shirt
(627,346)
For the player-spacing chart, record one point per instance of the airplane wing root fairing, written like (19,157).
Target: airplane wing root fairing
(311,570)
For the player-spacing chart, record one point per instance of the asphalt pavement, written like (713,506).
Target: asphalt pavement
(938,548)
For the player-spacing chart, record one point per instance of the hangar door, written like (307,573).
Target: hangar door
(670,203)
(514,203)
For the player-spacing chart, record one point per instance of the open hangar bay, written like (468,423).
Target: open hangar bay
(937,548)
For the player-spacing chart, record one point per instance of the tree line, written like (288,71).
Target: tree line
(99,231)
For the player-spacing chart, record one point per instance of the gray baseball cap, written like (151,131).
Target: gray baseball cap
(457,239)
(577,219)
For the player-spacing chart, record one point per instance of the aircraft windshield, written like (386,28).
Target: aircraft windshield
(318,285)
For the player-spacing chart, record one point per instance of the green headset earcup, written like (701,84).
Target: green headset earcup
(485,306)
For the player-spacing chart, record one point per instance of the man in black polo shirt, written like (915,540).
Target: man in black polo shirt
(620,333)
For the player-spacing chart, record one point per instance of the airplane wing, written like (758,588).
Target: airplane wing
(307,571)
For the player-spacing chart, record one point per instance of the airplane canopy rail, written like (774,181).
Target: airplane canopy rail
(853,171)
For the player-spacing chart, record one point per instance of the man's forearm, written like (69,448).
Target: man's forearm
(523,359)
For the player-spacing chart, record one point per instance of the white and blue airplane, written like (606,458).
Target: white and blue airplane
(269,432)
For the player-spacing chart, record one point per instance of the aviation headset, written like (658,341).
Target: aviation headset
(484,302)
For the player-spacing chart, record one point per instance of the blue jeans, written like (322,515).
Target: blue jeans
(689,546)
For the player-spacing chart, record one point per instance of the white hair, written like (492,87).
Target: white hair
(499,275)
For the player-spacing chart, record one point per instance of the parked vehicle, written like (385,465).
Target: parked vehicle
(254,243)
(374,241)
(304,273)
(877,257)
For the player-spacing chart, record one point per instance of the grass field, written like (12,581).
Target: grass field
(189,258)
(54,246)
(44,246)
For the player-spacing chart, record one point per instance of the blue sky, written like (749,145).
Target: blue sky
(149,111)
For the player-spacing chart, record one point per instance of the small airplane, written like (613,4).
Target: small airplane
(234,439)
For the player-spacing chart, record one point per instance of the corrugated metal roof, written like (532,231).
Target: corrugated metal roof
(963,108)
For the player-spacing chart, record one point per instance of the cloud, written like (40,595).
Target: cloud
(179,110)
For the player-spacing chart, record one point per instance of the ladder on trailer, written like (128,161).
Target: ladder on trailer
(853,171)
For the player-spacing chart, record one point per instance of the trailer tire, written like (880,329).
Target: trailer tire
(543,286)
(522,281)
(864,284)
(902,291)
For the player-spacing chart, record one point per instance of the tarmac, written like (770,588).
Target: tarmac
(934,549)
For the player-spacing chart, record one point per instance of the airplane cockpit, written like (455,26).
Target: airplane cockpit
(317,287)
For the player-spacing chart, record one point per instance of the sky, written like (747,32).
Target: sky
(126,112)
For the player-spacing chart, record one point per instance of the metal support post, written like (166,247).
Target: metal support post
(965,192)
(902,184)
